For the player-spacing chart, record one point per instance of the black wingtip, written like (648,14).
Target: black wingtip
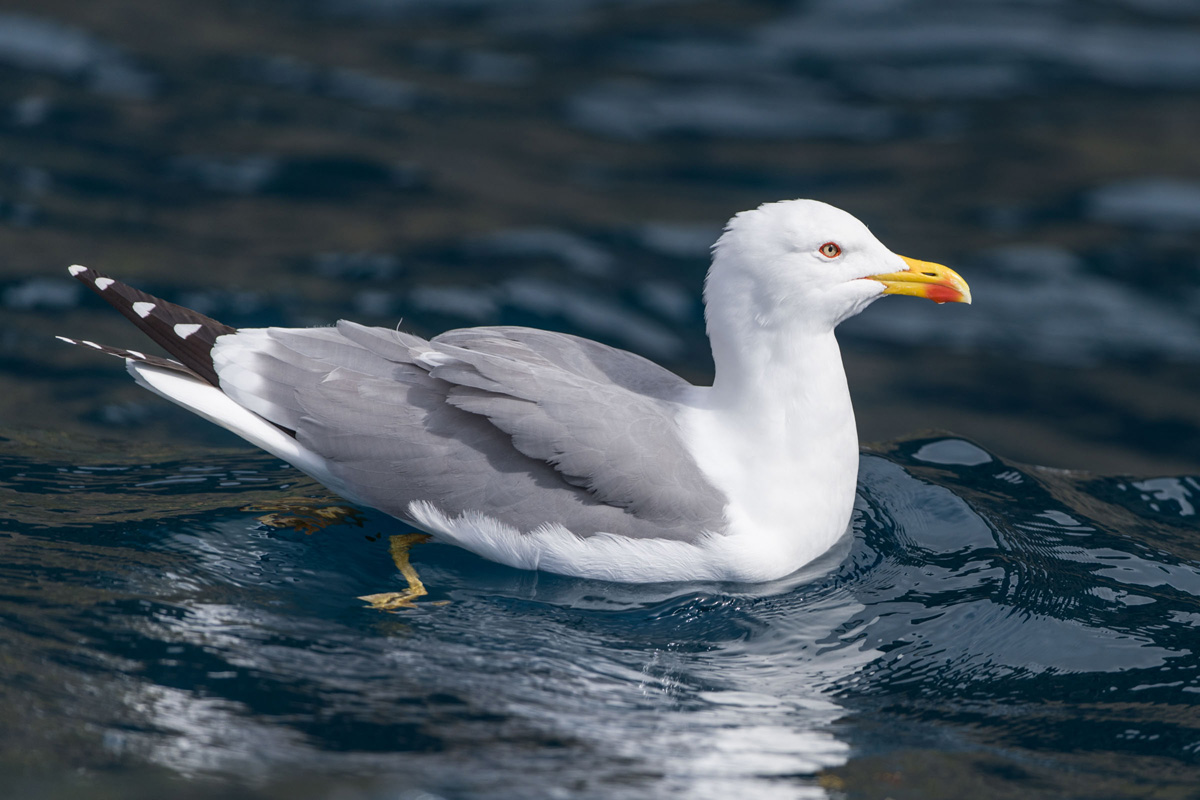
(188,335)
(132,355)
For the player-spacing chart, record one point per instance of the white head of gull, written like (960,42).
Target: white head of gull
(776,430)
(542,450)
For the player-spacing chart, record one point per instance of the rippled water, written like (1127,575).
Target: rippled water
(989,630)
(986,626)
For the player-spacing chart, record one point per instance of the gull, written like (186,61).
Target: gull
(546,451)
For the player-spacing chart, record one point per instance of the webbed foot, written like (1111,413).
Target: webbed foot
(398,546)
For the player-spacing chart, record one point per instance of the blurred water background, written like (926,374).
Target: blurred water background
(990,628)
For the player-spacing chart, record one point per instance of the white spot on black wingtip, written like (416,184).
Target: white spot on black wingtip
(136,354)
(143,309)
(104,283)
(184,330)
(65,339)
(76,269)
(92,344)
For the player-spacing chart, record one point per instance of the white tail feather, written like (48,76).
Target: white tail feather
(208,401)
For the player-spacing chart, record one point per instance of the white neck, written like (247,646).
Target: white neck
(776,433)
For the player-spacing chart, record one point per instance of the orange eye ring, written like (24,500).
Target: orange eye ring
(830,250)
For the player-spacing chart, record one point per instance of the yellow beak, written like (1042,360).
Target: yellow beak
(925,279)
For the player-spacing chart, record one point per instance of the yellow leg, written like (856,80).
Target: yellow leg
(390,601)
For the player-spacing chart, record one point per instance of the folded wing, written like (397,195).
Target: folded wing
(527,426)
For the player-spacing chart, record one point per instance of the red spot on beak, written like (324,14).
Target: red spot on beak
(943,294)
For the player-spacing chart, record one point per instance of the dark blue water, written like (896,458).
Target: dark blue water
(990,630)
(984,625)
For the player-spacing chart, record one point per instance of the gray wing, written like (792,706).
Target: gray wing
(601,417)
(526,426)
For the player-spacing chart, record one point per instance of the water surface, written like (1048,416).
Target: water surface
(983,625)
(988,630)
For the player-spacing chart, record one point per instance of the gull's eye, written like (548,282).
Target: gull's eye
(830,250)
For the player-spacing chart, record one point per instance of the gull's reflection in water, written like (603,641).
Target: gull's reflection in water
(262,663)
